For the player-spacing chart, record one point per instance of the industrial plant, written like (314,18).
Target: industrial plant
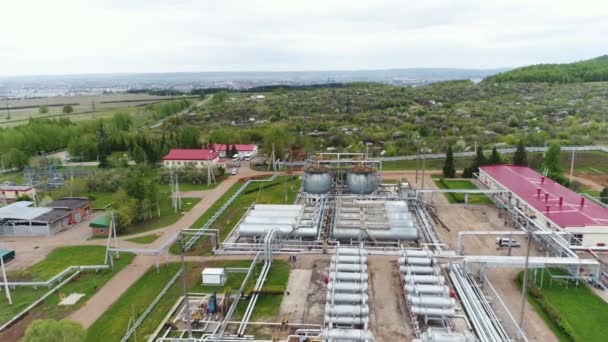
(346,216)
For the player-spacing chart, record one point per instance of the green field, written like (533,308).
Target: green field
(461,184)
(145,239)
(582,310)
(113,323)
(429,164)
(591,162)
(261,193)
(192,187)
(168,216)
(58,260)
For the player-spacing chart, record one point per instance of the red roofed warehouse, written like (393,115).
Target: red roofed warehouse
(244,150)
(197,157)
(550,203)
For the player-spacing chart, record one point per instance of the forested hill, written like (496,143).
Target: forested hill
(592,70)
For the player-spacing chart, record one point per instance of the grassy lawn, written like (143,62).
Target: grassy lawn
(586,162)
(192,187)
(461,184)
(583,310)
(100,200)
(145,239)
(113,323)
(168,216)
(261,193)
(59,259)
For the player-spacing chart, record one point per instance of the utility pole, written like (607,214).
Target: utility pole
(571,166)
(185,284)
(525,282)
(8,292)
(423,169)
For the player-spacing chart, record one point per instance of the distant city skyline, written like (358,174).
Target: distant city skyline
(66,37)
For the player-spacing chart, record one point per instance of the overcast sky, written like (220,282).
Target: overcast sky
(103,36)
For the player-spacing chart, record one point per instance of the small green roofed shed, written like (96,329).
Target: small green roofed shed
(7,254)
(101,225)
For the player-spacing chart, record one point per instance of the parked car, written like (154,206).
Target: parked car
(234,171)
(504,242)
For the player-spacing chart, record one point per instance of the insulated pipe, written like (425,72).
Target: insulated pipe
(346,320)
(414,253)
(427,289)
(446,312)
(416,261)
(440,336)
(424,279)
(432,301)
(337,267)
(403,234)
(335,335)
(419,270)
(346,310)
(350,259)
(347,298)
(350,277)
(351,251)
(347,287)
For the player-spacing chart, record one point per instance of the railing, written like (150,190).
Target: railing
(461,154)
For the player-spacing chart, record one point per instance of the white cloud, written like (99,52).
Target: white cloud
(80,36)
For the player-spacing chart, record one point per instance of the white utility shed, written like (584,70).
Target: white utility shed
(214,276)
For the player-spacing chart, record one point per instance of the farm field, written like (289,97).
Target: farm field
(85,107)
(461,184)
(58,260)
(113,323)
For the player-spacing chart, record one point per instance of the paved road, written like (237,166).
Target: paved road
(182,112)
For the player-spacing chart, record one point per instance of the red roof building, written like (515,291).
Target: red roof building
(551,203)
(196,157)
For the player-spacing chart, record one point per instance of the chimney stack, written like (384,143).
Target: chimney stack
(546,197)
(538,192)
(561,201)
(548,208)
(582,201)
(542,179)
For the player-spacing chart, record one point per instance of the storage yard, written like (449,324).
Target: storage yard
(370,260)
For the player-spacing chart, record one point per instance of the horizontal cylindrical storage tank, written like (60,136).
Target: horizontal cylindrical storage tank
(447,312)
(432,301)
(350,259)
(267,220)
(427,289)
(335,335)
(347,287)
(278,207)
(403,234)
(420,261)
(346,310)
(350,251)
(260,230)
(415,253)
(349,276)
(347,298)
(346,320)
(440,336)
(361,180)
(419,270)
(424,279)
(317,180)
(338,267)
